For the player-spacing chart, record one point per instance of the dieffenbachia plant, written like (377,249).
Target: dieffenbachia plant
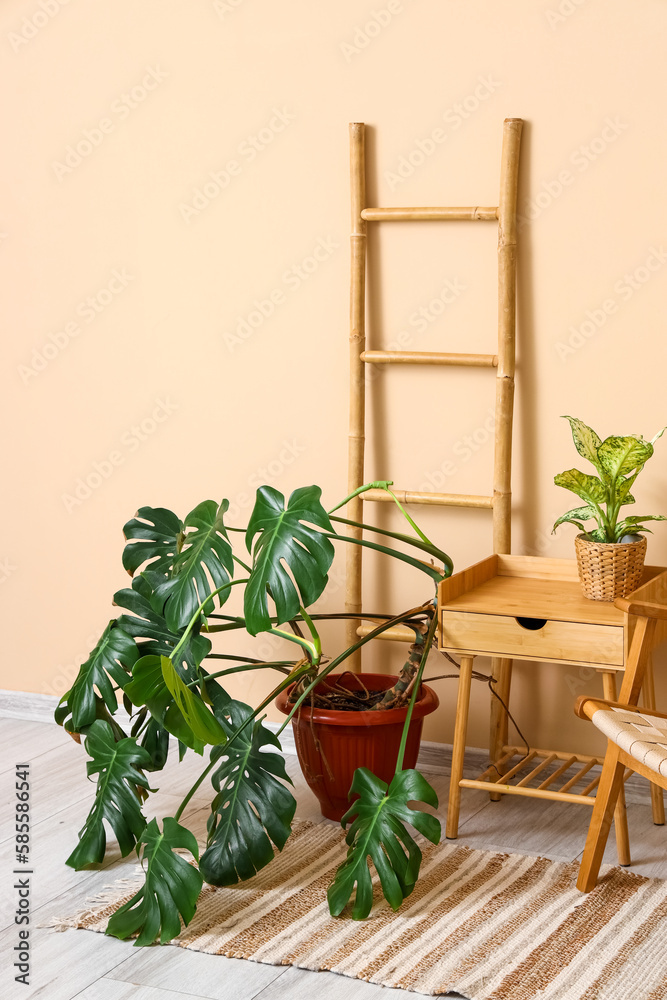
(157,657)
(618,461)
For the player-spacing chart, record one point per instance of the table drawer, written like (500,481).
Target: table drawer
(543,639)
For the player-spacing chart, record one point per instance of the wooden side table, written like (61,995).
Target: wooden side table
(532,608)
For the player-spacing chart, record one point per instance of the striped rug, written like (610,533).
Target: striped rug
(489,926)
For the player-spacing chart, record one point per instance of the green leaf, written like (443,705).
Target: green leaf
(378,832)
(170,892)
(113,656)
(598,535)
(589,488)
(632,525)
(117,798)
(149,625)
(620,455)
(252,807)
(148,687)
(63,717)
(206,556)
(201,721)
(622,494)
(286,536)
(586,441)
(154,539)
(576,515)
(155,740)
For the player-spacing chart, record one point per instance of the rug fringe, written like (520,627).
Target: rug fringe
(107,895)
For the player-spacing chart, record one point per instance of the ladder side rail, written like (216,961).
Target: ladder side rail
(501,669)
(356,437)
(502,462)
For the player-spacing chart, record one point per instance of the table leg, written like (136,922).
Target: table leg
(620,814)
(501,671)
(459,748)
(657,800)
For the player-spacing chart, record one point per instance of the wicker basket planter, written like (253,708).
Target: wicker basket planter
(608,570)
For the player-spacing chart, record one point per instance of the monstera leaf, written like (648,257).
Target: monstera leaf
(171,889)
(203,724)
(63,716)
(113,657)
(154,539)
(149,625)
(157,684)
(117,799)
(205,553)
(252,808)
(291,557)
(155,740)
(378,833)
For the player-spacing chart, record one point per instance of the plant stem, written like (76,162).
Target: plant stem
(432,550)
(194,788)
(424,567)
(427,648)
(313,653)
(344,655)
(380,484)
(317,642)
(191,623)
(315,617)
(236,559)
(275,665)
(407,517)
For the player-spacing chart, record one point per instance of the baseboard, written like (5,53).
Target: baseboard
(28,706)
(433,757)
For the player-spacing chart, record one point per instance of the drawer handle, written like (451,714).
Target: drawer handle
(532,624)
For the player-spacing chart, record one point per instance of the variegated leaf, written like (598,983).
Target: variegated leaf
(575,516)
(586,441)
(589,488)
(621,455)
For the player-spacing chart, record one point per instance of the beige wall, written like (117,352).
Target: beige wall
(125,290)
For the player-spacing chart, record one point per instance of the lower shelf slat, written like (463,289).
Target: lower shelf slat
(535,793)
(514,760)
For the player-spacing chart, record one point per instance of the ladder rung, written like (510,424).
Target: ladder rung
(400,633)
(472,214)
(429,358)
(440,499)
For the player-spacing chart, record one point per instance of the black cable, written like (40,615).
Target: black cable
(479,676)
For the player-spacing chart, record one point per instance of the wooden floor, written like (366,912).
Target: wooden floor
(91,966)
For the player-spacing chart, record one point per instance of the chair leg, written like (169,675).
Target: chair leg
(621,816)
(657,800)
(501,670)
(611,784)
(459,748)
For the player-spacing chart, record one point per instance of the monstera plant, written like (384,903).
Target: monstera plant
(157,657)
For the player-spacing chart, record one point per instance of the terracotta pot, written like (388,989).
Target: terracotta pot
(349,740)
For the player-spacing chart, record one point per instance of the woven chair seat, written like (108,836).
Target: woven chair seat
(640,734)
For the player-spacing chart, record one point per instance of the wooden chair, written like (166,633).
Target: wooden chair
(636,737)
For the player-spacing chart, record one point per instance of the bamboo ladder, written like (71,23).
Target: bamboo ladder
(499,503)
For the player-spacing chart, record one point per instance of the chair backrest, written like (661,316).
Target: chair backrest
(648,615)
